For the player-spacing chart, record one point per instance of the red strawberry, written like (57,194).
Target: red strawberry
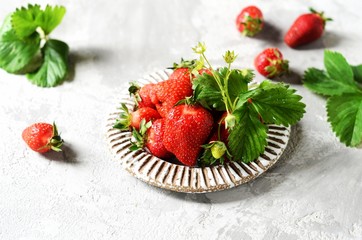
(42,137)
(250,21)
(187,127)
(181,74)
(145,96)
(142,95)
(224,133)
(270,63)
(134,119)
(307,28)
(154,140)
(167,93)
(185,73)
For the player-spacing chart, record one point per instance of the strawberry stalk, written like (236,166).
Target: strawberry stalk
(229,58)
(321,15)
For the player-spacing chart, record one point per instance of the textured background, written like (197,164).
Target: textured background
(314,192)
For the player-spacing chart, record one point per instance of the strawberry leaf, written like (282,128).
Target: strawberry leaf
(319,82)
(17,55)
(247,140)
(337,67)
(277,103)
(55,66)
(50,18)
(25,21)
(210,91)
(345,116)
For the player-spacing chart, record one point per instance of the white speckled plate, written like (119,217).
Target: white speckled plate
(163,174)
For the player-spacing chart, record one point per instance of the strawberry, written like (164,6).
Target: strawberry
(167,93)
(154,140)
(150,135)
(142,95)
(42,137)
(306,28)
(181,74)
(270,63)
(187,127)
(250,21)
(133,119)
(221,129)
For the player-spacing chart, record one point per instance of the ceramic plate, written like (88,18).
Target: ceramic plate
(164,174)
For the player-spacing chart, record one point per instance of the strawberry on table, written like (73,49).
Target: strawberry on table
(306,29)
(42,137)
(270,63)
(187,127)
(250,21)
(133,119)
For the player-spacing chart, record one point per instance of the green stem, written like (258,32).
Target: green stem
(218,81)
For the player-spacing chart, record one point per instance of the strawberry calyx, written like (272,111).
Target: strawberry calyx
(251,25)
(321,15)
(124,120)
(55,142)
(190,64)
(134,90)
(277,67)
(140,135)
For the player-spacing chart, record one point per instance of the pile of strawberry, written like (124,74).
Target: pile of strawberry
(164,123)
(203,116)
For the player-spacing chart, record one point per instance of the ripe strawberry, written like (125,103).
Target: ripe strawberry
(181,74)
(187,127)
(142,94)
(154,139)
(42,137)
(220,126)
(185,73)
(133,119)
(270,63)
(306,28)
(167,93)
(250,21)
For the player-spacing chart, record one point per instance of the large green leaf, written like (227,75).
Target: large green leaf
(25,21)
(279,105)
(317,81)
(19,56)
(337,67)
(55,65)
(345,116)
(51,18)
(247,140)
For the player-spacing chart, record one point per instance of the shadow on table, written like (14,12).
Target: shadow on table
(270,34)
(85,55)
(67,155)
(259,186)
(292,77)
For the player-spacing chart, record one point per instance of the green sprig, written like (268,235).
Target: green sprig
(26,48)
